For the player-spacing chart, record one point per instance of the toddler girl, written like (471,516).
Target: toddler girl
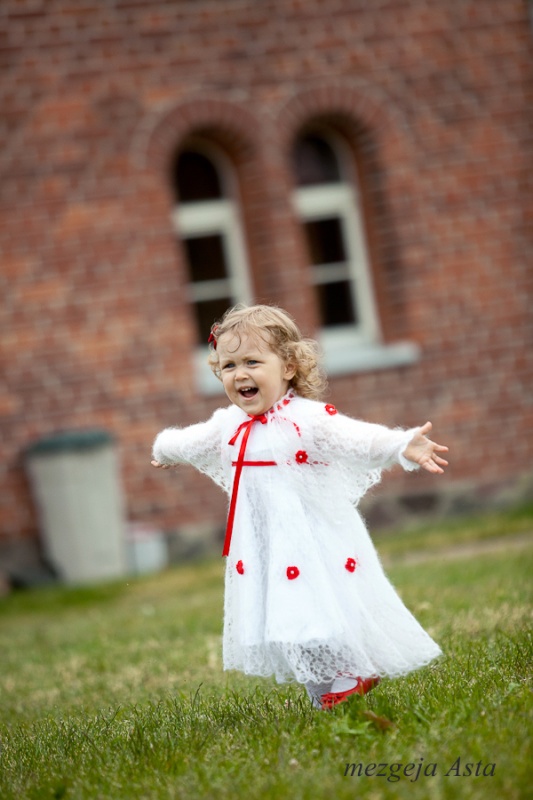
(306,598)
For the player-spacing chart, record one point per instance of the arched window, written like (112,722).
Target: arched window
(207,220)
(328,204)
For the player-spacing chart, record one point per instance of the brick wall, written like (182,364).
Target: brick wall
(95,98)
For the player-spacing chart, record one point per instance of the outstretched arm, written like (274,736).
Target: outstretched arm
(197,444)
(424,452)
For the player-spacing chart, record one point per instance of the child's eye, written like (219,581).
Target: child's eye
(252,361)
(229,365)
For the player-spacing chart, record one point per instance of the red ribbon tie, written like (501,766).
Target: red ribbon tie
(239,464)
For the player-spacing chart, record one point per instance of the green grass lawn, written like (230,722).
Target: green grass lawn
(118,692)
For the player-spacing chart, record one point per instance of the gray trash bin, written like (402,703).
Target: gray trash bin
(76,486)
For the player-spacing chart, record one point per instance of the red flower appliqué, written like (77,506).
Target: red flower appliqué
(301,457)
(330,409)
(351,564)
(292,573)
(239,566)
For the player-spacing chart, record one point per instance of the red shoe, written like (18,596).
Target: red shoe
(362,687)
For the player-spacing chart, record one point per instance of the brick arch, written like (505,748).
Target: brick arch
(227,124)
(379,139)
(238,133)
(357,110)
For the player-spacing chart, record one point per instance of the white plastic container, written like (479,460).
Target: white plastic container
(76,486)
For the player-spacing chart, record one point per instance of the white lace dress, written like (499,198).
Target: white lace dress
(306,597)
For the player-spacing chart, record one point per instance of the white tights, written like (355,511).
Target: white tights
(316,690)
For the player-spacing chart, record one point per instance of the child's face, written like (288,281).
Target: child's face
(254,377)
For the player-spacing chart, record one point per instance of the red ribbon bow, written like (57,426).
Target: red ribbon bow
(247,427)
(212,338)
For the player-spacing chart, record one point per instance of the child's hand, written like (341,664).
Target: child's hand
(423,451)
(160,466)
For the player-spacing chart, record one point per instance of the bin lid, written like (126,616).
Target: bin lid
(68,441)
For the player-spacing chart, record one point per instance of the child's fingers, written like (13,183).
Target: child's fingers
(432,466)
(441,448)
(436,463)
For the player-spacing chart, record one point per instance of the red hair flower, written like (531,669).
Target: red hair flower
(331,409)
(301,457)
(351,564)
(240,567)
(292,573)
(212,337)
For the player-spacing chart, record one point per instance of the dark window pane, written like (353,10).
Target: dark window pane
(314,161)
(206,259)
(208,312)
(196,178)
(326,241)
(335,303)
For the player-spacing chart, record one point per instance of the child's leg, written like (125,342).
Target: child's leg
(315,692)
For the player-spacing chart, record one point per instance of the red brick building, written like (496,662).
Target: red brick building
(368,166)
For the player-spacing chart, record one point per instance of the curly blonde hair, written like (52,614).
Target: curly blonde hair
(278,329)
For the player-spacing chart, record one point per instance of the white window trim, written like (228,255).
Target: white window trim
(206,381)
(344,357)
(203,218)
(359,347)
(340,200)
(216,217)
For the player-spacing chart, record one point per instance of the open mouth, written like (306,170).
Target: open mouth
(248,391)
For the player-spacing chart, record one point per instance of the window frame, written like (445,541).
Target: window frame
(214,217)
(359,346)
(338,200)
